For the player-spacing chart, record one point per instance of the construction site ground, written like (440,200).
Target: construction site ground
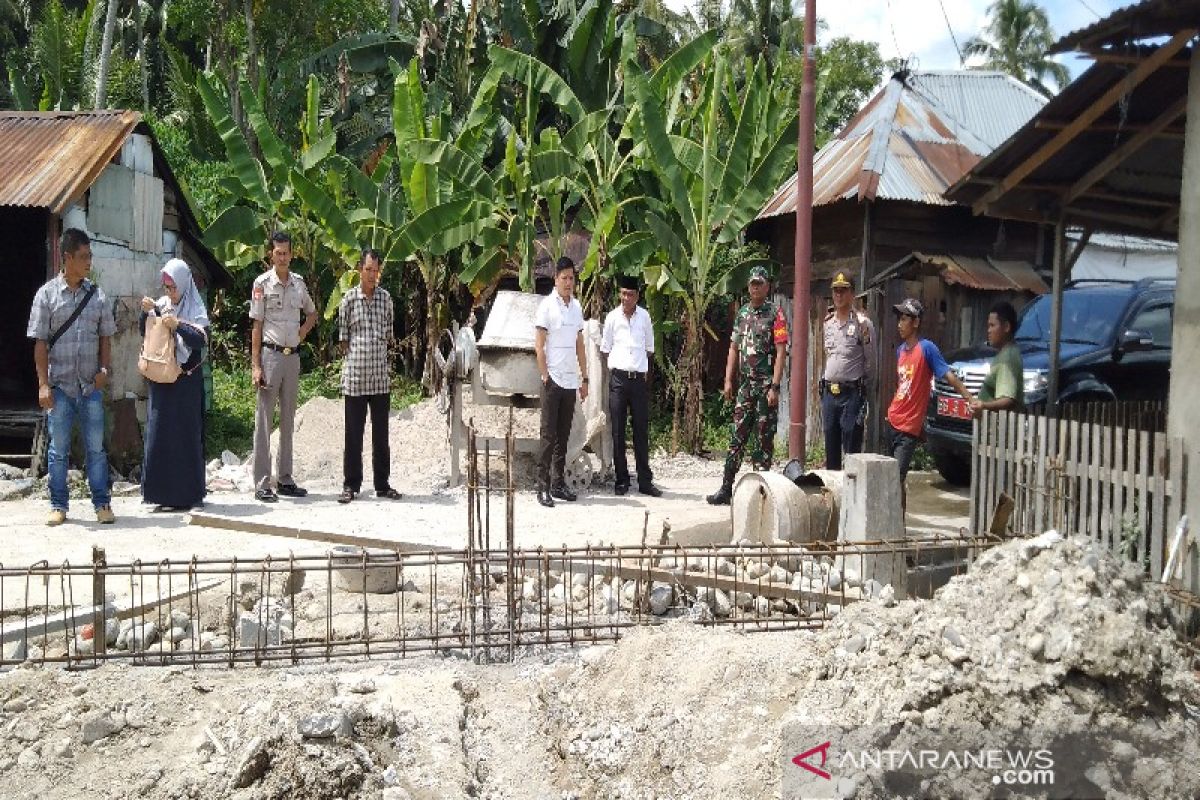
(1053,633)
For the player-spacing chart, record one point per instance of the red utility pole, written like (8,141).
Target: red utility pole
(801,299)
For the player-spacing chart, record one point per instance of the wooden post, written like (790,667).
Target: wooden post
(1055,320)
(99,564)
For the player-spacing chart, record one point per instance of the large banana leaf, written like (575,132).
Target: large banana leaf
(368,52)
(662,155)
(247,168)
(272,149)
(483,268)
(629,254)
(328,216)
(741,149)
(235,224)
(455,165)
(762,183)
(538,76)
(378,201)
(437,221)
(682,61)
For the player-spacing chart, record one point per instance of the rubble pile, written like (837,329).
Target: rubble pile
(1040,634)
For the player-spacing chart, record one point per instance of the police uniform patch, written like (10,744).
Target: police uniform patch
(258,292)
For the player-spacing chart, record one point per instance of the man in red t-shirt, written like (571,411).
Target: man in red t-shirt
(918,362)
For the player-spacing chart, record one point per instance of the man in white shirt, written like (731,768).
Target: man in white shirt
(558,341)
(627,344)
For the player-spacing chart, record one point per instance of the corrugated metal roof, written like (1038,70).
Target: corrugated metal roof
(989,106)
(49,159)
(1131,23)
(973,272)
(915,138)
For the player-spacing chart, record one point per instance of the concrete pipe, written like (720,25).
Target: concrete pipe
(767,507)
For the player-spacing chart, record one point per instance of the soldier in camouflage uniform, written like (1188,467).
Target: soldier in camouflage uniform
(757,354)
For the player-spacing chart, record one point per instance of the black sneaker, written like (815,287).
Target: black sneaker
(266,496)
(563,493)
(292,490)
(544,498)
(621,488)
(651,490)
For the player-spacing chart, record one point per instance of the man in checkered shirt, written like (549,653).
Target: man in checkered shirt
(365,323)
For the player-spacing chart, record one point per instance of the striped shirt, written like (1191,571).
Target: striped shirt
(75,357)
(366,327)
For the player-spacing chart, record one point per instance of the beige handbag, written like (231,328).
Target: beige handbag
(157,362)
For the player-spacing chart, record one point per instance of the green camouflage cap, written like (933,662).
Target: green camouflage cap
(759,273)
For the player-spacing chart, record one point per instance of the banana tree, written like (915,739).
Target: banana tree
(716,166)
(282,191)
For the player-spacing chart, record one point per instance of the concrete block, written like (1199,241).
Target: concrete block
(871,510)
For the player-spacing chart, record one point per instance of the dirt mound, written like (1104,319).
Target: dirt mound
(418,436)
(1041,634)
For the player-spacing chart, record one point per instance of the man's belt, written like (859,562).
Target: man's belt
(287,351)
(837,387)
(629,374)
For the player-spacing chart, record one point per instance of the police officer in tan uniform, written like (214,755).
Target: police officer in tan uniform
(276,300)
(850,367)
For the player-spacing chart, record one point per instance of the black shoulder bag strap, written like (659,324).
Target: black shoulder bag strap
(54,337)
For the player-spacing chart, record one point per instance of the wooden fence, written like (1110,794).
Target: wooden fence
(1121,486)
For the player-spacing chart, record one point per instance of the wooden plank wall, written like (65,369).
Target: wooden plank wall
(1124,486)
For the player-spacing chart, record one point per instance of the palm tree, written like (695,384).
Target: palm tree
(1015,42)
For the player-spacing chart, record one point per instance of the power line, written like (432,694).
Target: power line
(953,38)
(1089,8)
(892,25)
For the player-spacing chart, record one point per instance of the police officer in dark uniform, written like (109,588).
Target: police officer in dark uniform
(849,339)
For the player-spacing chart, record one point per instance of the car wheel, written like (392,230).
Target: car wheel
(955,469)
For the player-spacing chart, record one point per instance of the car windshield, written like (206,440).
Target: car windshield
(1088,317)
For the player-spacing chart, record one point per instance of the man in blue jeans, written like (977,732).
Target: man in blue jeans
(73,328)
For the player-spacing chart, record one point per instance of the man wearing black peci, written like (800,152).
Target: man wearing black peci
(627,344)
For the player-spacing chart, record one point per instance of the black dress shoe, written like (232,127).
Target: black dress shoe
(292,490)
(650,489)
(544,498)
(563,493)
(266,496)
(620,488)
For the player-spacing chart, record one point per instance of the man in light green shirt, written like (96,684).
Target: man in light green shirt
(1004,386)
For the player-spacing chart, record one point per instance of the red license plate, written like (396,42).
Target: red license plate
(953,407)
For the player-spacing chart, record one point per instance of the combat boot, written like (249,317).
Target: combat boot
(724,495)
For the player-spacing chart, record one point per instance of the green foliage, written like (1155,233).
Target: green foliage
(848,73)
(1015,41)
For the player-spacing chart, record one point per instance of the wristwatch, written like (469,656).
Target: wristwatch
(775,386)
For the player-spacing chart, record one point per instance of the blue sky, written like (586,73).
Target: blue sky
(918,29)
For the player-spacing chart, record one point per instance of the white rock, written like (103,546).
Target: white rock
(29,757)
(725,567)
(61,748)
(230,459)
(853,579)
(177,635)
(112,629)
(779,575)
(660,599)
(16,705)
(100,725)
(180,619)
(757,569)
(325,725)
(141,637)
(834,580)
(887,596)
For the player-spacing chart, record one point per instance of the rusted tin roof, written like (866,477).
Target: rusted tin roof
(987,274)
(49,159)
(914,138)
